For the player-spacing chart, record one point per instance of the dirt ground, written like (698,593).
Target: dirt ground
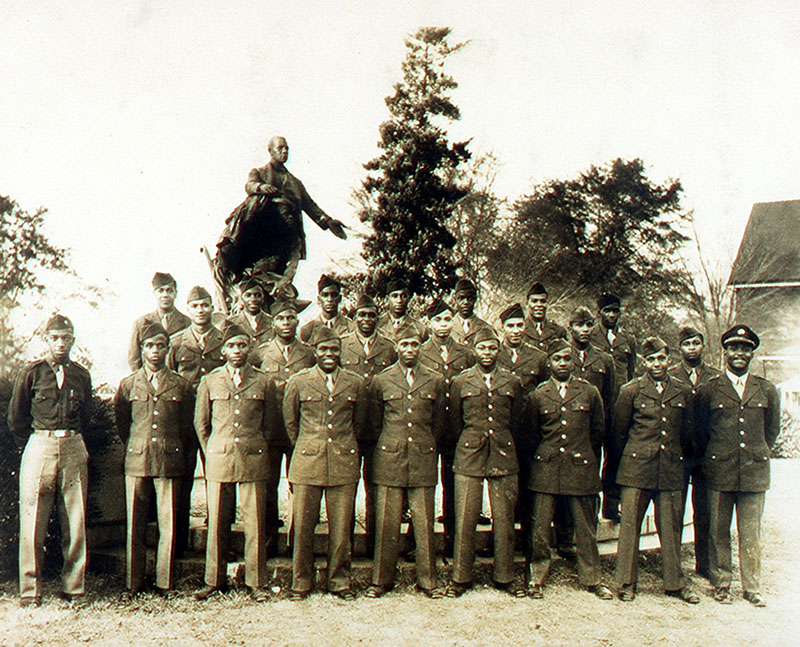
(567,616)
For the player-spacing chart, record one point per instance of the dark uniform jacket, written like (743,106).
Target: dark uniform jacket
(735,436)
(485,424)
(704,374)
(598,369)
(38,403)
(653,434)
(459,332)
(157,426)
(387,327)
(550,331)
(233,424)
(190,361)
(341,325)
(270,359)
(566,437)
(381,354)
(325,427)
(407,423)
(530,367)
(175,322)
(623,351)
(260,336)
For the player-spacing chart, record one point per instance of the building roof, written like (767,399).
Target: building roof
(770,248)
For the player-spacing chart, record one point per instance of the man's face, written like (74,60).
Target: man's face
(60,344)
(610,316)
(398,302)
(366,321)
(154,352)
(285,325)
(692,350)
(328,354)
(253,300)
(279,150)
(537,306)
(329,299)
(561,364)
(165,297)
(200,311)
(487,352)
(656,364)
(442,324)
(738,356)
(408,350)
(236,350)
(513,330)
(465,303)
(581,331)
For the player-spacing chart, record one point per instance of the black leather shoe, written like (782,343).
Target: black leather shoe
(433,594)
(684,594)
(73,599)
(723,595)
(348,595)
(483,520)
(377,591)
(755,599)
(627,593)
(30,603)
(206,592)
(535,591)
(165,594)
(298,596)
(567,552)
(259,594)
(456,590)
(601,591)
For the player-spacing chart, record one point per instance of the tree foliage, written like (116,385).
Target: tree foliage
(410,192)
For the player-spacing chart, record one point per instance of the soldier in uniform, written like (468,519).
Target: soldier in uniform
(694,372)
(235,412)
(154,412)
(47,414)
(539,330)
(738,422)
(252,319)
(485,411)
(172,319)
(325,410)
(194,352)
(329,297)
(448,358)
(407,416)
(466,322)
(653,434)
(567,424)
(398,297)
(611,338)
(280,358)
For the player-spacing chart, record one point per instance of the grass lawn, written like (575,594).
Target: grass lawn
(567,616)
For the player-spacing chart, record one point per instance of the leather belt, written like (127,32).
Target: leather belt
(57,433)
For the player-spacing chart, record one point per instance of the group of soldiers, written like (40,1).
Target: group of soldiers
(546,417)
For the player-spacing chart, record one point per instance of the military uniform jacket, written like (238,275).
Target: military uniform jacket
(407,422)
(270,358)
(485,424)
(233,424)
(735,436)
(341,325)
(653,434)
(623,351)
(325,427)
(381,354)
(462,333)
(156,426)
(550,331)
(260,336)
(175,322)
(566,437)
(530,366)
(190,361)
(388,326)
(598,369)
(704,374)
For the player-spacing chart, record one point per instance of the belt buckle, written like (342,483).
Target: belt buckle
(61,433)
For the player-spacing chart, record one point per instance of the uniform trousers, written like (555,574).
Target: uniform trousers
(448,496)
(275,456)
(612,493)
(139,494)
(53,469)
(701,520)
(669,524)
(388,512)
(339,501)
(365,452)
(525,503)
(221,501)
(184,514)
(584,511)
(469,500)
(749,511)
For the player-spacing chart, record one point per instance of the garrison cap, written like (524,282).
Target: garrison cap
(653,345)
(608,300)
(197,293)
(485,334)
(153,329)
(234,330)
(365,302)
(556,346)
(581,314)
(323,334)
(160,279)
(281,305)
(59,322)
(514,311)
(740,333)
(438,307)
(465,285)
(396,284)
(407,331)
(537,288)
(326,281)
(688,333)
(250,284)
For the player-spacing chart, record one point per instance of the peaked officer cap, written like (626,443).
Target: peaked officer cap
(607,300)
(741,333)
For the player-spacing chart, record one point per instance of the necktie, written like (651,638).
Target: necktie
(367,346)
(59,371)
(693,376)
(659,387)
(201,340)
(154,381)
(237,378)
(488,379)
(466,327)
(582,357)
(739,386)
(410,377)
(165,322)
(562,390)
(329,380)
(396,322)
(611,337)
(514,355)
(286,353)
(444,353)
(329,323)
(539,328)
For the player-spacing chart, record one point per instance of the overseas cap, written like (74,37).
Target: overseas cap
(485,334)
(557,345)
(153,330)
(250,284)
(514,311)
(608,300)
(365,302)
(326,281)
(407,331)
(740,333)
(234,330)
(323,334)
(581,314)
(197,293)
(59,322)
(653,345)
(281,305)
(437,307)
(688,333)
(396,284)
(465,285)
(160,279)
(537,288)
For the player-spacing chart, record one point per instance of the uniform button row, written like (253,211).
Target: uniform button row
(742,445)
(155,426)
(236,411)
(563,408)
(155,413)
(741,419)
(741,433)
(561,449)
(155,398)
(235,424)
(491,406)
(663,406)
(563,422)
(154,439)
(235,397)
(236,440)
(663,447)
(410,439)
(330,440)
(663,419)
(410,410)
(663,433)
(330,412)
(409,424)
(563,436)
(491,419)
(330,425)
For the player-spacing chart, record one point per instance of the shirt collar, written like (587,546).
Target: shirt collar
(735,378)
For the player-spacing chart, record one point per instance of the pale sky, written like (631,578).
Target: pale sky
(136,123)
